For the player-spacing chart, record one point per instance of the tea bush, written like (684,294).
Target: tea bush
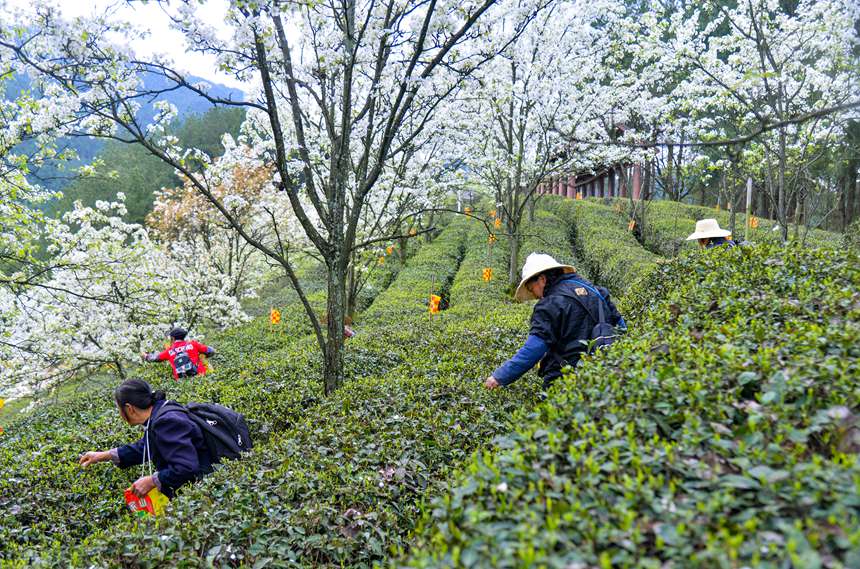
(42,485)
(609,252)
(269,373)
(433,267)
(672,446)
(724,433)
(668,223)
(344,484)
(343,476)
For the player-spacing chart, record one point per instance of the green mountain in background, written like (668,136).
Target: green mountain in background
(131,169)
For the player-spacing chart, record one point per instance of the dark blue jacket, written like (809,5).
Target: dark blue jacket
(176,446)
(560,329)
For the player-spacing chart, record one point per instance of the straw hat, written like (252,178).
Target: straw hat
(708,228)
(535,264)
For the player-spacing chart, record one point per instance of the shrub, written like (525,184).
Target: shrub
(433,267)
(723,434)
(610,253)
(45,497)
(269,373)
(344,483)
(668,223)
(311,489)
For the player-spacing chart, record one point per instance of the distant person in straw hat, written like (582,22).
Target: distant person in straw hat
(710,235)
(568,310)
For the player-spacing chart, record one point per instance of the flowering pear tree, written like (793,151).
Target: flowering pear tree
(189,225)
(346,90)
(549,87)
(111,292)
(780,78)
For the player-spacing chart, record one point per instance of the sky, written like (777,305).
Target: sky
(162,39)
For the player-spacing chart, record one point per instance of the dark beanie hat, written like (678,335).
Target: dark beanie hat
(178,333)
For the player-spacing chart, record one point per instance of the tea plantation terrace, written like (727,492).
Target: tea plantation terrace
(718,433)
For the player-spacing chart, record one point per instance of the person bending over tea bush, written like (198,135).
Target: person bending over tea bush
(709,235)
(172,440)
(571,316)
(184,357)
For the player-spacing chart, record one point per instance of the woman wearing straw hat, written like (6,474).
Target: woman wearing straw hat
(567,311)
(710,235)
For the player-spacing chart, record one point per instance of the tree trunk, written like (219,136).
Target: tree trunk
(514,260)
(856,198)
(668,182)
(403,250)
(335,313)
(532,200)
(352,291)
(798,214)
(428,237)
(782,205)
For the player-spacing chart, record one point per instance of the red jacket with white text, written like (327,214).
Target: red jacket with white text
(193,348)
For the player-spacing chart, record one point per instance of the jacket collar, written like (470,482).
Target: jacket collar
(556,286)
(156,407)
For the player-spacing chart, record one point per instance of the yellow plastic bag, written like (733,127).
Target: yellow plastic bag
(153,504)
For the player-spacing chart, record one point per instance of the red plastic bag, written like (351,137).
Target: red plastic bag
(150,505)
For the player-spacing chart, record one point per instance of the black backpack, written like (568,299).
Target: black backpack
(603,333)
(224,430)
(184,366)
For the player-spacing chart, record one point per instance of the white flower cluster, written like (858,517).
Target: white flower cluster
(111,291)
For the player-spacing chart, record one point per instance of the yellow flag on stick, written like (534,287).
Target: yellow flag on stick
(488,274)
(274,316)
(435,299)
(753,222)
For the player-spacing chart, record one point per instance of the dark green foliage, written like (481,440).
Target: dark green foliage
(204,131)
(332,481)
(609,252)
(128,168)
(46,497)
(668,223)
(722,433)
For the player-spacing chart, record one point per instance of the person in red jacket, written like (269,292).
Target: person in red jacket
(184,357)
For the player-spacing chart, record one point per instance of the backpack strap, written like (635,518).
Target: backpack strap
(167,406)
(601,313)
(595,291)
(601,319)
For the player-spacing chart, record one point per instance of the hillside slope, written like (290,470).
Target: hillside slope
(724,432)
(332,481)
